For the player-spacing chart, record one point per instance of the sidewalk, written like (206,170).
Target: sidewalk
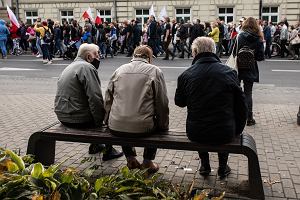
(276,133)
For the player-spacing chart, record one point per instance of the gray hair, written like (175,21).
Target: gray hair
(203,44)
(85,49)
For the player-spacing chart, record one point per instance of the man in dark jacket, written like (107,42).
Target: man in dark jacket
(152,34)
(78,101)
(216,105)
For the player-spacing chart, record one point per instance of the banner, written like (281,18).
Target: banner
(12,17)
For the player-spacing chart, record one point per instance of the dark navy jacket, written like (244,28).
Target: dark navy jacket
(216,105)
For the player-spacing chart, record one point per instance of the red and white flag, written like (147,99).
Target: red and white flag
(88,14)
(98,19)
(12,18)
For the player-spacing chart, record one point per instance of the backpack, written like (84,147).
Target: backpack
(245,58)
(48,37)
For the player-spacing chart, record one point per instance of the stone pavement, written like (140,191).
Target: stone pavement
(24,110)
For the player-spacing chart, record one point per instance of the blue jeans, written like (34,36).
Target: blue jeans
(46,52)
(38,45)
(102,47)
(3,47)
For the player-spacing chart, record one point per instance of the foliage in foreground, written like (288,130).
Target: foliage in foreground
(24,180)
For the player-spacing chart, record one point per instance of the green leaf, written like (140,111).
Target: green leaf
(125,171)
(37,170)
(148,198)
(98,184)
(124,197)
(124,188)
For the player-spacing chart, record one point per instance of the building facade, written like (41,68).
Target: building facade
(205,10)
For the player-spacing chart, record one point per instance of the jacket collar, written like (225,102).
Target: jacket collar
(140,59)
(206,57)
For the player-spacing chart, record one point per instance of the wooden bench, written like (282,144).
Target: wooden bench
(42,145)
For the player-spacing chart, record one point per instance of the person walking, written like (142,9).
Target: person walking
(45,41)
(4,33)
(250,39)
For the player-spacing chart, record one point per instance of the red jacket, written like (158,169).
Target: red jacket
(13,32)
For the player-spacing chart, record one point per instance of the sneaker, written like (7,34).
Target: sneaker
(204,170)
(151,166)
(223,172)
(39,56)
(251,122)
(132,163)
(165,58)
(96,148)
(49,62)
(4,57)
(112,155)
(45,61)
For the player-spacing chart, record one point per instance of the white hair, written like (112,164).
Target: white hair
(85,49)
(203,44)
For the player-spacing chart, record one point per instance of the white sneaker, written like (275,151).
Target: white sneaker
(39,56)
(45,61)
(49,62)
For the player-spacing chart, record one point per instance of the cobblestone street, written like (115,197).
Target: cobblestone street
(26,105)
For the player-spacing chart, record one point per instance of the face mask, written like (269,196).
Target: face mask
(96,63)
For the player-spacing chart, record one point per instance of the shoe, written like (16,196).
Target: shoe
(151,166)
(251,122)
(112,155)
(96,148)
(45,61)
(128,55)
(132,163)
(49,62)
(204,170)
(165,58)
(158,54)
(4,57)
(39,56)
(223,172)
(181,57)
(173,57)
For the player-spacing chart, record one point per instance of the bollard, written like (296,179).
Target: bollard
(298,117)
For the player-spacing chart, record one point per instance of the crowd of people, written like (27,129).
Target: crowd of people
(48,39)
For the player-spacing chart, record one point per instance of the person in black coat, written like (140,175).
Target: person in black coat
(216,105)
(250,36)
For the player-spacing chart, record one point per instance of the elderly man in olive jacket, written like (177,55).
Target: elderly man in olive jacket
(216,105)
(78,100)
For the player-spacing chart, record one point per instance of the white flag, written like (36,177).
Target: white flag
(163,13)
(151,11)
(12,17)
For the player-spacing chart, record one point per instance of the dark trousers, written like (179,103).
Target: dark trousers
(166,48)
(46,53)
(268,46)
(283,48)
(219,48)
(152,44)
(248,94)
(149,152)
(223,158)
(184,48)
(225,44)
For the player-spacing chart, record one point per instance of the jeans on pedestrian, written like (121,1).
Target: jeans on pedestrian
(46,53)
(248,94)
(102,47)
(38,45)
(58,46)
(3,48)
(268,48)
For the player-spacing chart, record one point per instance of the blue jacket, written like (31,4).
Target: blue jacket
(4,32)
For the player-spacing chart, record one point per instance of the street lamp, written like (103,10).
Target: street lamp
(260,8)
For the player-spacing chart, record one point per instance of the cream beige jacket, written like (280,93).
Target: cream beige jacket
(136,98)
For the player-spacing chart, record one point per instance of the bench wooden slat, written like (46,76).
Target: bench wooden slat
(42,145)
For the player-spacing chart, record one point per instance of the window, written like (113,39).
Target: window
(226,14)
(105,15)
(31,16)
(183,13)
(66,15)
(270,14)
(141,15)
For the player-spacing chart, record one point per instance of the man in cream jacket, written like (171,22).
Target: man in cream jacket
(136,104)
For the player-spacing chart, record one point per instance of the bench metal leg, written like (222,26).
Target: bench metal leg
(42,148)
(255,181)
